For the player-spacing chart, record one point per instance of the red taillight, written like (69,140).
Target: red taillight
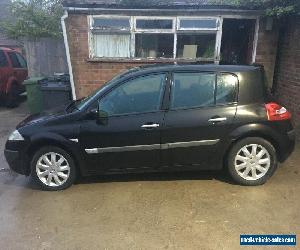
(276,112)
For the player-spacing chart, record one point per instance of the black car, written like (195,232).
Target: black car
(159,118)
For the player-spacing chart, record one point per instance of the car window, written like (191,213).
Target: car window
(22,61)
(14,60)
(226,88)
(139,95)
(3,60)
(192,90)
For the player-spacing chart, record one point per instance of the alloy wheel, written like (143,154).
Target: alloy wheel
(252,162)
(52,169)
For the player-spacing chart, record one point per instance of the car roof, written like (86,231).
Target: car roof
(186,67)
(157,68)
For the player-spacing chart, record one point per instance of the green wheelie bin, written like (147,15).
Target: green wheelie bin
(34,95)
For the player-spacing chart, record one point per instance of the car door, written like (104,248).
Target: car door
(23,72)
(19,66)
(129,139)
(4,71)
(201,112)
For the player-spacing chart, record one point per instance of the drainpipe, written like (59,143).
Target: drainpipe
(63,25)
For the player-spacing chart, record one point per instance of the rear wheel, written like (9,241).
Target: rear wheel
(53,169)
(252,161)
(12,97)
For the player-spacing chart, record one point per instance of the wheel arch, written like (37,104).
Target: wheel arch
(43,142)
(11,81)
(261,131)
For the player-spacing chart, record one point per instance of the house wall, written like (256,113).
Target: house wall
(89,75)
(267,49)
(287,76)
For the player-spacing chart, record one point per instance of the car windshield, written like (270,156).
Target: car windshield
(81,103)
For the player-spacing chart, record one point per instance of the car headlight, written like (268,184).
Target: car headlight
(16,136)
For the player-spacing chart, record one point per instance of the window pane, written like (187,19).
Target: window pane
(154,45)
(226,88)
(193,90)
(198,24)
(14,59)
(22,61)
(3,60)
(154,24)
(139,95)
(104,23)
(108,45)
(196,45)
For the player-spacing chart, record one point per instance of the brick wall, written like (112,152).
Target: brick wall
(267,49)
(287,76)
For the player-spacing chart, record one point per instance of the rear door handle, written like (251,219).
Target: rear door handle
(149,126)
(218,119)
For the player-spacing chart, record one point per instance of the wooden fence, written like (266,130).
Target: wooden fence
(45,57)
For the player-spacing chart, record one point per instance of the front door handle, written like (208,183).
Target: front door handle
(217,119)
(149,126)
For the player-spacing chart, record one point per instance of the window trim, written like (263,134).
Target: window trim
(162,97)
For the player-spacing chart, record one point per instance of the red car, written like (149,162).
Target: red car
(13,71)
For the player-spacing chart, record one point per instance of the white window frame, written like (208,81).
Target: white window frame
(93,31)
(217,31)
(153,31)
(137,30)
(253,17)
(111,17)
(179,18)
(175,30)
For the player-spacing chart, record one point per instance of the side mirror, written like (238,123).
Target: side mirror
(93,114)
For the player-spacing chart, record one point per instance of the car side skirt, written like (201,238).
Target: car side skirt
(152,146)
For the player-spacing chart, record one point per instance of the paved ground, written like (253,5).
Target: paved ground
(169,211)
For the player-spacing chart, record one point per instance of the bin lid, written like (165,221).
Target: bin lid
(33,80)
(57,78)
(58,86)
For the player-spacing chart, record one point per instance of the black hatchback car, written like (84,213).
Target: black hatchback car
(159,118)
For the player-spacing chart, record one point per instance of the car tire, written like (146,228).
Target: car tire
(252,161)
(12,97)
(53,169)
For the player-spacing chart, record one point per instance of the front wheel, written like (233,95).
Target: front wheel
(53,169)
(252,161)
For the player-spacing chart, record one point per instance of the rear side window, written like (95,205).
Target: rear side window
(3,60)
(14,60)
(193,90)
(226,88)
(22,61)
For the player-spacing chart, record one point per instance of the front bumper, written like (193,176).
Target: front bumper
(15,161)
